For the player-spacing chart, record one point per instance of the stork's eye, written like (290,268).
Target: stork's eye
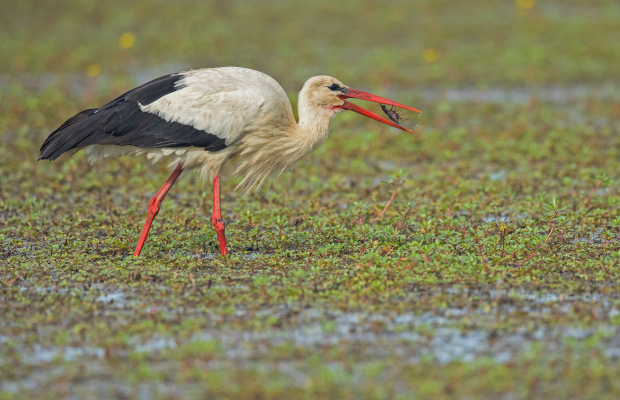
(334,87)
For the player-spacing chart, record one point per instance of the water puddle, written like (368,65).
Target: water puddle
(39,355)
(426,337)
(77,85)
(244,256)
(522,95)
(439,335)
(111,297)
(489,218)
(445,334)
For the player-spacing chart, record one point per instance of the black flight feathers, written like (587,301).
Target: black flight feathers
(122,123)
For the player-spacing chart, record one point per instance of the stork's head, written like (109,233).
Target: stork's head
(328,94)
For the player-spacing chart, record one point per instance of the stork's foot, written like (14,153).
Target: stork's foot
(220,229)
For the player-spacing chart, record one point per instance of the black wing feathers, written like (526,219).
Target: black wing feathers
(121,122)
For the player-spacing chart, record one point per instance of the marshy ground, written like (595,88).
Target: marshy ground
(493,272)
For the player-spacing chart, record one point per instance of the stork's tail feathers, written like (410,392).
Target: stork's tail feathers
(65,137)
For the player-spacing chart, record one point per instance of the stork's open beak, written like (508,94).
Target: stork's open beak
(358,94)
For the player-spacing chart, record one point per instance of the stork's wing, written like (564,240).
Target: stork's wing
(177,110)
(221,101)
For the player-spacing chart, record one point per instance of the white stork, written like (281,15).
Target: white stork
(201,119)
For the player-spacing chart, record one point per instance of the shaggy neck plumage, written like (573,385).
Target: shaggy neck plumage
(267,154)
(314,123)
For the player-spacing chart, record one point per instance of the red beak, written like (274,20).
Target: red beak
(358,94)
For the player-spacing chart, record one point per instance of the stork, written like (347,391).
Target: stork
(198,120)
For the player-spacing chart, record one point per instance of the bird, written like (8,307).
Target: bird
(200,119)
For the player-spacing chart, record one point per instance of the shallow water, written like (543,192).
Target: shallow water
(78,85)
(551,94)
(440,334)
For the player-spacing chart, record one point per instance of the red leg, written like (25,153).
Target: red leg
(154,206)
(218,222)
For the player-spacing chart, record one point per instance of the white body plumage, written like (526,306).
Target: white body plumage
(248,109)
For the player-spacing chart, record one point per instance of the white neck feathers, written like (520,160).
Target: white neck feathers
(272,152)
(314,122)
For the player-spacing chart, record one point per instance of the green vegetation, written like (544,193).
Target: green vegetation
(493,273)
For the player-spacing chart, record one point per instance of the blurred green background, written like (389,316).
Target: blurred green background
(374,43)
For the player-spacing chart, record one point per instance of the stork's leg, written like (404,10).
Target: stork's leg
(218,222)
(154,206)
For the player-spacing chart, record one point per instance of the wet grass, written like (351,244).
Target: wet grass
(492,274)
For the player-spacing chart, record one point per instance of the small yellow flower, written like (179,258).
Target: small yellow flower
(525,4)
(127,40)
(430,55)
(93,70)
